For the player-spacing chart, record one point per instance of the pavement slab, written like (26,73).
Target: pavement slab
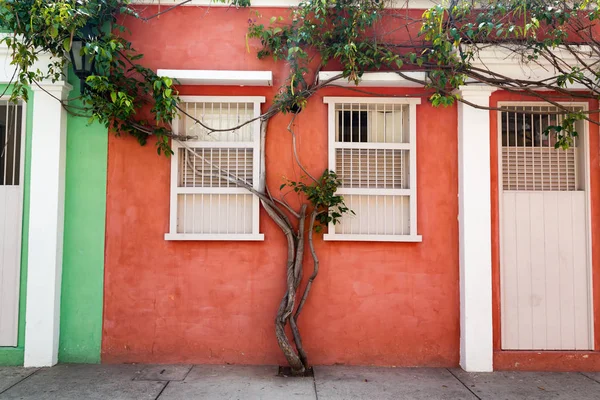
(346,383)
(10,376)
(90,382)
(231,382)
(593,375)
(530,385)
(163,373)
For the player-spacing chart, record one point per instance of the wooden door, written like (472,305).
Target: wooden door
(545,261)
(11,216)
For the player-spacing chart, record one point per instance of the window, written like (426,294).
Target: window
(10,143)
(529,160)
(372,148)
(206,204)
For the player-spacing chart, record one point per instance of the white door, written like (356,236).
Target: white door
(11,215)
(545,278)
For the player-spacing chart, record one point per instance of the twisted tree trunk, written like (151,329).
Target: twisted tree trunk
(295,234)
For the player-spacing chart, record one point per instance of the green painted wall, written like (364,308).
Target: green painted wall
(83,254)
(83,249)
(14,355)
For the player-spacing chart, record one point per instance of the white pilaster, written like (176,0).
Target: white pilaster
(46,209)
(475,230)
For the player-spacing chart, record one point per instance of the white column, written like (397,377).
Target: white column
(475,230)
(46,209)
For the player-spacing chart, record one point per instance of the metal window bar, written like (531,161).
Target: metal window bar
(375,167)
(10,143)
(207,201)
(529,159)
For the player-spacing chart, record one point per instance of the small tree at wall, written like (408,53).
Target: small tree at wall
(446,42)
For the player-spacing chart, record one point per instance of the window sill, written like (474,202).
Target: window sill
(373,238)
(214,237)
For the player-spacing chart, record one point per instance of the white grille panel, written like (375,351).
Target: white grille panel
(372,123)
(215,213)
(207,201)
(218,116)
(529,160)
(204,167)
(538,169)
(376,215)
(372,168)
(373,152)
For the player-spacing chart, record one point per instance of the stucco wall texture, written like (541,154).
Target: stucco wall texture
(215,302)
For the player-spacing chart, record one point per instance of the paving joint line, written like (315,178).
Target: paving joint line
(315,385)
(462,383)
(16,383)
(589,377)
(187,373)
(162,390)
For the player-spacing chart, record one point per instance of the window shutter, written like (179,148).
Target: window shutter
(204,167)
(372,148)
(372,168)
(538,169)
(206,201)
(529,159)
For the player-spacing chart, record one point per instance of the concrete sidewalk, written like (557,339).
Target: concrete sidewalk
(178,382)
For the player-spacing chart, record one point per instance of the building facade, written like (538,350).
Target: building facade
(474,241)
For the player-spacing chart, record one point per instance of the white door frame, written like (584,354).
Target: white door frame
(13,342)
(48,127)
(585,140)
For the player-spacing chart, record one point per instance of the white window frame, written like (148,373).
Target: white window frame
(175,190)
(411,147)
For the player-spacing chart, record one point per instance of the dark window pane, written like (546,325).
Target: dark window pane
(10,144)
(353,126)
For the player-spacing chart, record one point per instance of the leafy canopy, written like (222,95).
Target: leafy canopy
(357,34)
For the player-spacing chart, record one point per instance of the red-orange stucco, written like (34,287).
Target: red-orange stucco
(215,302)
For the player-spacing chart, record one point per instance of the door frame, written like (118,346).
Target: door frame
(584,138)
(21,209)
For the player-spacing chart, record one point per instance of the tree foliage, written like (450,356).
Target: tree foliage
(446,44)
(120,89)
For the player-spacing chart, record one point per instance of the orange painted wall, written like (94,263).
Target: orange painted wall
(215,302)
(549,360)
